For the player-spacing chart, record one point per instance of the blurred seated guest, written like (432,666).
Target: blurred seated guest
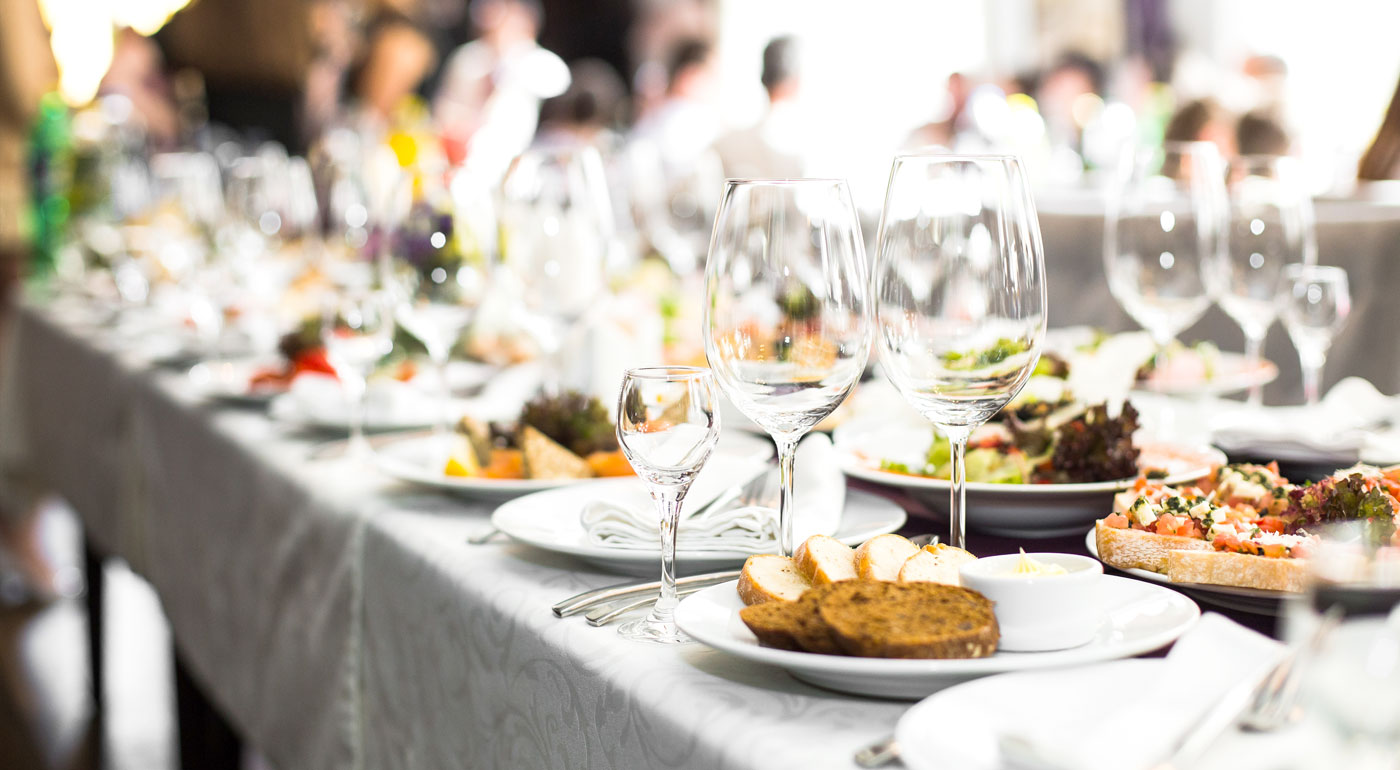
(943,131)
(137,72)
(1382,159)
(1259,133)
(1202,120)
(1060,96)
(488,104)
(775,146)
(685,125)
(334,40)
(397,56)
(588,112)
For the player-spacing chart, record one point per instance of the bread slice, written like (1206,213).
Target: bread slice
(936,563)
(770,578)
(547,459)
(824,559)
(909,620)
(1236,569)
(792,625)
(479,434)
(881,557)
(1135,549)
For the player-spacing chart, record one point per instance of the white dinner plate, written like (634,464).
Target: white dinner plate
(961,726)
(1138,618)
(1254,600)
(550,520)
(1016,510)
(1232,374)
(415,458)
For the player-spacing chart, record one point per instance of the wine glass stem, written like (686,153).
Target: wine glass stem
(668,504)
(354,386)
(1253,352)
(787,455)
(443,417)
(957,494)
(1312,363)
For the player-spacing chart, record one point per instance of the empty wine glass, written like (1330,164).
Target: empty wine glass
(1315,304)
(358,330)
(959,293)
(556,229)
(667,425)
(1271,225)
(442,260)
(1165,218)
(787,327)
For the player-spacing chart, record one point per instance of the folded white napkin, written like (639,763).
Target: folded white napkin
(1337,429)
(1110,371)
(389,403)
(1138,729)
(628,520)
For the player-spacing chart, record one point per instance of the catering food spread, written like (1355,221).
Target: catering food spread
(1243,525)
(569,436)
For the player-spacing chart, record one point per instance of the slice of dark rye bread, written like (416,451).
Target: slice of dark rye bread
(794,625)
(879,620)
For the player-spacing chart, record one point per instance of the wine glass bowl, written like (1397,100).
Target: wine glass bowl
(787,328)
(358,330)
(1315,302)
(667,426)
(959,292)
(1163,234)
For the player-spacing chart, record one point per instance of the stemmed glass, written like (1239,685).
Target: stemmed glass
(358,330)
(959,293)
(556,229)
(787,310)
(443,259)
(1271,225)
(1316,301)
(1165,217)
(667,425)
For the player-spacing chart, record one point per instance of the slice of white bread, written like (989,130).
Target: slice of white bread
(1236,569)
(547,459)
(881,557)
(936,563)
(771,578)
(824,559)
(1135,549)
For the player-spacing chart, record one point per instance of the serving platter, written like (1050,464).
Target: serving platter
(1138,618)
(1257,601)
(1015,510)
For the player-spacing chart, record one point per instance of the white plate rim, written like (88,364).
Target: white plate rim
(893,668)
(500,519)
(1239,380)
(1091,542)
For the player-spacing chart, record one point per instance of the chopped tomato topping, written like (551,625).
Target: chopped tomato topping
(1116,520)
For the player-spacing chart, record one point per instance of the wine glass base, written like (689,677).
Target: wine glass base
(656,632)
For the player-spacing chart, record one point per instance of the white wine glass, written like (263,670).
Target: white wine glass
(667,425)
(358,330)
(1315,302)
(787,311)
(1271,225)
(959,294)
(556,227)
(1162,233)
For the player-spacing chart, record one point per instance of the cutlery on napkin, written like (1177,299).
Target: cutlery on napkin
(1338,429)
(1138,729)
(819,492)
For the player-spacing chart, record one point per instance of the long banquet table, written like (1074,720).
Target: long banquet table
(340,620)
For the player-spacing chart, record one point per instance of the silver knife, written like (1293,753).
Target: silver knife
(580,602)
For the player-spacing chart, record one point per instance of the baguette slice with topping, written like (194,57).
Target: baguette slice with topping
(1236,569)
(1135,549)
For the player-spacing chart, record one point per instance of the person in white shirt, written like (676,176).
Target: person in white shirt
(487,106)
(775,146)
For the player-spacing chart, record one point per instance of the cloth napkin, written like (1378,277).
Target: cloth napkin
(1107,373)
(1336,430)
(629,520)
(319,399)
(1138,729)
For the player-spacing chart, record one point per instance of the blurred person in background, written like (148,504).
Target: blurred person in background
(588,112)
(138,72)
(1382,159)
(685,124)
(488,103)
(1061,95)
(955,119)
(1258,132)
(397,57)
(1202,120)
(775,147)
(335,39)
(658,28)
